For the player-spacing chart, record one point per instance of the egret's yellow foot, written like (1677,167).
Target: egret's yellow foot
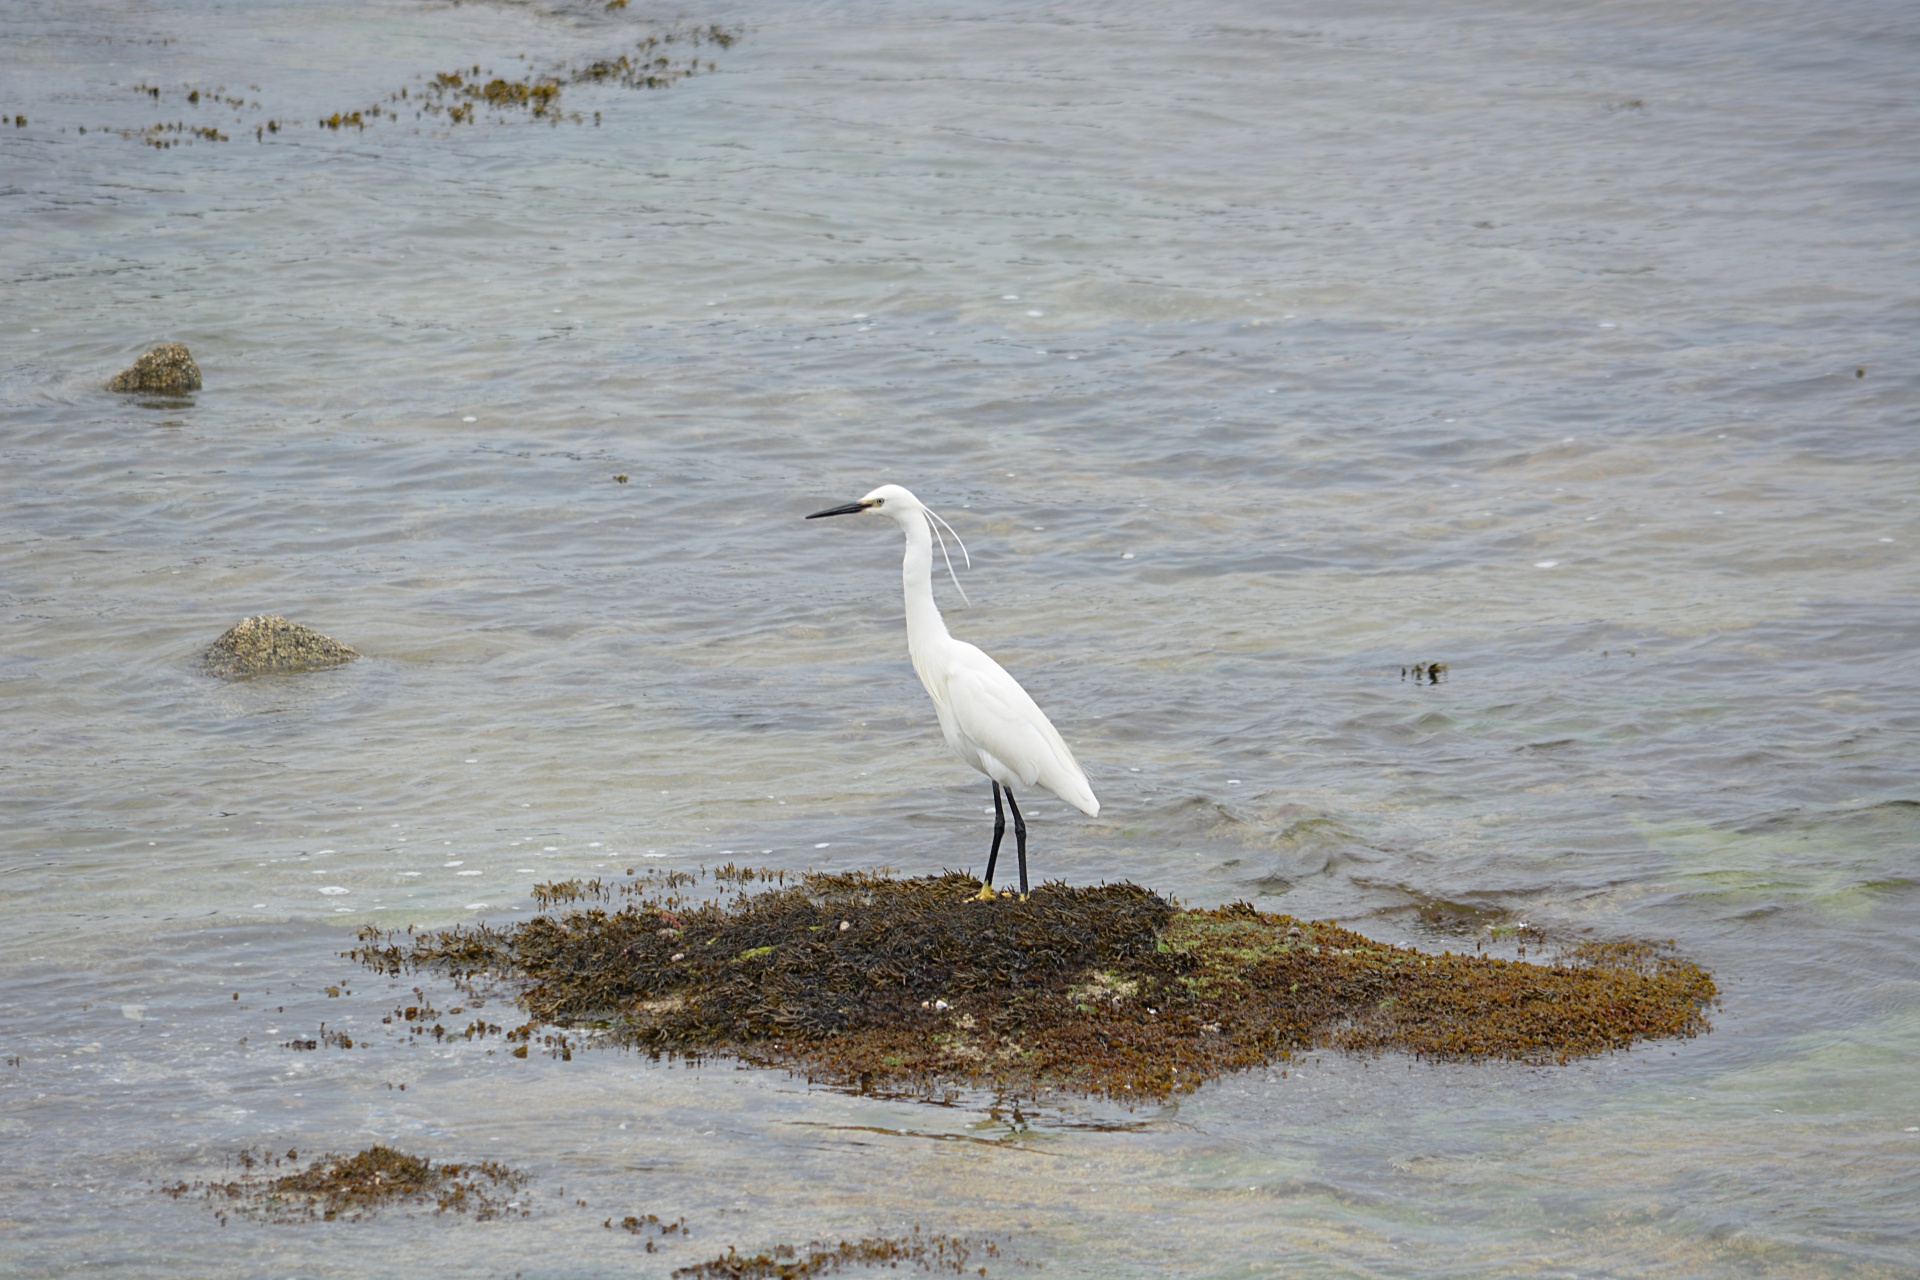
(986,894)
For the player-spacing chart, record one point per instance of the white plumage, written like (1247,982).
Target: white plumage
(986,717)
(993,725)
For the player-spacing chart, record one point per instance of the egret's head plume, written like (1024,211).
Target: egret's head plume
(899,503)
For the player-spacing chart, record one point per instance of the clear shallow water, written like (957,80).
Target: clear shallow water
(1349,321)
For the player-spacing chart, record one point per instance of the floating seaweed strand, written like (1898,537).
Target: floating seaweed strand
(657,62)
(649,66)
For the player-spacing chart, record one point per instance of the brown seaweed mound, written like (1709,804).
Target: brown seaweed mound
(937,1254)
(269,644)
(352,1187)
(168,369)
(882,983)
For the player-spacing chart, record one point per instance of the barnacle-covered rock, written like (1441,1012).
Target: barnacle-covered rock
(269,644)
(168,369)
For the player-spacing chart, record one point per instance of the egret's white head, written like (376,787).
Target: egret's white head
(888,500)
(908,512)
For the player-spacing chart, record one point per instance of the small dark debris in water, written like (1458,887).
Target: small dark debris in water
(1460,917)
(648,1226)
(727,872)
(167,369)
(937,1254)
(424,1020)
(164,136)
(338,1039)
(1106,990)
(1424,672)
(357,1186)
(621,479)
(1861,372)
(19,122)
(268,644)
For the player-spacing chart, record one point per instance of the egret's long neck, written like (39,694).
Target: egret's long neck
(925,628)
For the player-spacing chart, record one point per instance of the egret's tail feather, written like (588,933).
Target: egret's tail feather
(1076,792)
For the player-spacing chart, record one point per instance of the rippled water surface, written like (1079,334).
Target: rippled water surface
(1257,351)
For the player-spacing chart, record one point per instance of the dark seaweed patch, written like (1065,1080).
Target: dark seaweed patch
(356,1186)
(873,982)
(938,1254)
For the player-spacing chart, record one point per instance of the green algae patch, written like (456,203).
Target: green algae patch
(913,985)
(356,1186)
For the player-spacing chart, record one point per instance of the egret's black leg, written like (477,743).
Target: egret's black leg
(999,830)
(1019,839)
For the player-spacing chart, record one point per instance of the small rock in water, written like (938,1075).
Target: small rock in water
(167,369)
(268,643)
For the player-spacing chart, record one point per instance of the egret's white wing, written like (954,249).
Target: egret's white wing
(995,715)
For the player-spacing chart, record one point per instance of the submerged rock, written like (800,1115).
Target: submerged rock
(168,369)
(870,981)
(269,644)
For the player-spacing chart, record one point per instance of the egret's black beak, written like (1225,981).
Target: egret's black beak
(852,508)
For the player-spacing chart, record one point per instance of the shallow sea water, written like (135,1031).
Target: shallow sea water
(1258,352)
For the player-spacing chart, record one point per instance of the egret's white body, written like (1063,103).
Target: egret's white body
(988,720)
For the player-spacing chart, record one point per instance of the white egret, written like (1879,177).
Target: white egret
(986,717)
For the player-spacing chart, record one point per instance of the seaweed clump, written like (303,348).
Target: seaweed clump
(874,982)
(355,1186)
(786,1262)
